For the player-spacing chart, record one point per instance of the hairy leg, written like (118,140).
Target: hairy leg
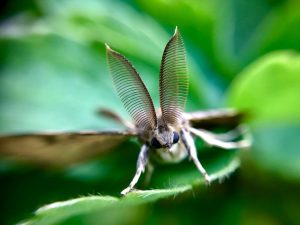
(239,131)
(215,140)
(189,144)
(141,164)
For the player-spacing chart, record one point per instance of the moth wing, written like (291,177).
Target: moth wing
(60,149)
(209,119)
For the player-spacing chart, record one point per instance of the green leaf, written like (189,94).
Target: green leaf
(241,35)
(51,83)
(58,212)
(269,89)
(237,31)
(276,149)
(280,29)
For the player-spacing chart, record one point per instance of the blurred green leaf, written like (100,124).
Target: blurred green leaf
(50,83)
(60,211)
(269,89)
(276,149)
(280,28)
(242,35)
(237,28)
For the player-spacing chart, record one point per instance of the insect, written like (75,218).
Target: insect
(166,134)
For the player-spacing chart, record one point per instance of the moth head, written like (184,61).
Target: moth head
(164,137)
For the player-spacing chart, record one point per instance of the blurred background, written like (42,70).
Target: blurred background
(241,54)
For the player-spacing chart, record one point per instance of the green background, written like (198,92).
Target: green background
(241,54)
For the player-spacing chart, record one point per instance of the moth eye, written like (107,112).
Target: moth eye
(175,137)
(155,143)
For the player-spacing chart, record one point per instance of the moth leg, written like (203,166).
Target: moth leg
(189,144)
(212,139)
(232,134)
(141,164)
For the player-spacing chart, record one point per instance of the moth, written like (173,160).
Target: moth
(167,134)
